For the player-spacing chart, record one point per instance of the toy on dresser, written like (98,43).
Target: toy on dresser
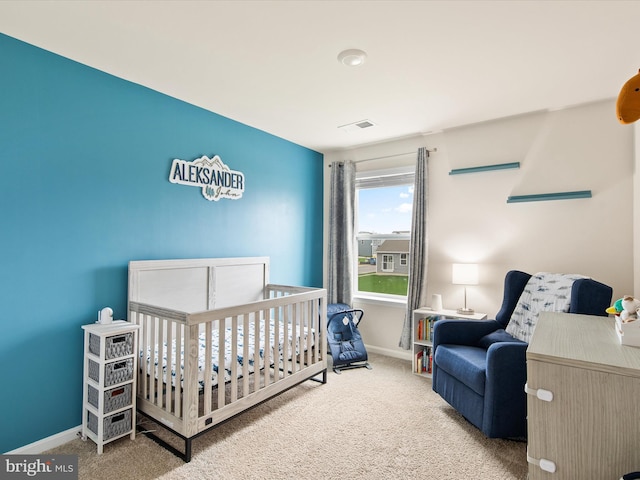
(626,308)
(626,311)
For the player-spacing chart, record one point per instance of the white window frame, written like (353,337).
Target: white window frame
(376,179)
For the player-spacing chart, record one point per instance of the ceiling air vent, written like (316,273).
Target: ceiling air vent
(352,127)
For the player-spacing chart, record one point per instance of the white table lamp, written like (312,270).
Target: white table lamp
(465,274)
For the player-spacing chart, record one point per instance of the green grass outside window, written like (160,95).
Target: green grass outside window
(376,283)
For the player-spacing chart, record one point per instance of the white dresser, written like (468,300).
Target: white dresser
(583,411)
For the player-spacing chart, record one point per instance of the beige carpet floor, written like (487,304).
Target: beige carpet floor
(384,423)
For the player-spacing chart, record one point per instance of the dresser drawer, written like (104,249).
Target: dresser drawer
(589,430)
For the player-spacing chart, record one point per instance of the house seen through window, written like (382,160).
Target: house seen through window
(383,226)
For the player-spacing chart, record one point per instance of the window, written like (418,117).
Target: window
(384,201)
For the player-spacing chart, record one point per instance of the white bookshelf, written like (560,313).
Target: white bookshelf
(422,333)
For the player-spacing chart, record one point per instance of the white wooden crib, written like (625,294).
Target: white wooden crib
(274,338)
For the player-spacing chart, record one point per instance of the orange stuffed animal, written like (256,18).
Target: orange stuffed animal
(628,104)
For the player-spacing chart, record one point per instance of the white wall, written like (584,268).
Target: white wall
(578,148)
(636,206)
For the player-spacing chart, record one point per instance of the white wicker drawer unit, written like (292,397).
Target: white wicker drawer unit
(109,381)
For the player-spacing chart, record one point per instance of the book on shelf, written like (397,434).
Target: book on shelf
(424,329)
(424,360)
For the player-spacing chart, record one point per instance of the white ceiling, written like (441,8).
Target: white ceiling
(431,65)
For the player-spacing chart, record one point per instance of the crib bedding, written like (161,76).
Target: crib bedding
(215,368)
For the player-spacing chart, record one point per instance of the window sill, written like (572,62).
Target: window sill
(397,302)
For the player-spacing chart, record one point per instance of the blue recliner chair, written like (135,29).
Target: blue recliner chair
(480,369)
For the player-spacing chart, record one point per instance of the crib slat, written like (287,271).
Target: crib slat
(303,340)
(142,377)
(315,315)
(267,347)
(221,365)
(160,370)
(286,341)
(245,355)
(294,335)
(234,359)
(276,343)
(300,335)
(300,338)
(170,351)
(152,360)
(309,315)
(208,365)
(256,350)
(179,362)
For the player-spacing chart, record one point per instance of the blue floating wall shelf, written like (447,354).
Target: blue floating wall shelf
(549,196)
(485,168)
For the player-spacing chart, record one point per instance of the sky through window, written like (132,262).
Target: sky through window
(385,209)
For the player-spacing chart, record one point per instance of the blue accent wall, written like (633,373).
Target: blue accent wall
(84,189)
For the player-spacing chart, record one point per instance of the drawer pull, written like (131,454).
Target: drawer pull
(543,463)
(541,393)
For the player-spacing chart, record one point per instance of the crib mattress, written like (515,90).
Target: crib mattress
(241,339)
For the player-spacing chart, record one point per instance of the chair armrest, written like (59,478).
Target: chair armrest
(505,404)
(506,359)
(461,332)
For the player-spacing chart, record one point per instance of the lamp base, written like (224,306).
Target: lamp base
(465,311)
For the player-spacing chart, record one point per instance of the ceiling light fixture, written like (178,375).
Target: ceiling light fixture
(352,57)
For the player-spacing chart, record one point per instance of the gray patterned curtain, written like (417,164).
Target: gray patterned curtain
(341,232)
(418,247)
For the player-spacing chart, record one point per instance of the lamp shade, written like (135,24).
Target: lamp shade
(465,274)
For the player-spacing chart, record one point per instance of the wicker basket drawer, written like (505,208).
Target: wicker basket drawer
(115,346)
(114,372)
(114,399)
(114,425)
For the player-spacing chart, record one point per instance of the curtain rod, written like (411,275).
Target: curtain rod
(390,156)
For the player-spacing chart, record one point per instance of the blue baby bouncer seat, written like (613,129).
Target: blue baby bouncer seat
(345,342)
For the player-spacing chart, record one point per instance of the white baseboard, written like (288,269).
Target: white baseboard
(402,355)
(48,443)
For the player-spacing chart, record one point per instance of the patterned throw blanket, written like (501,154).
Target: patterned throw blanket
(544,292)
